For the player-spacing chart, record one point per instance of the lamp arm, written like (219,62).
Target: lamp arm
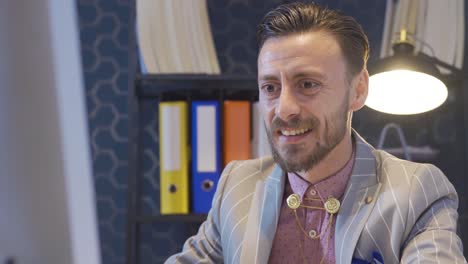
(455,71)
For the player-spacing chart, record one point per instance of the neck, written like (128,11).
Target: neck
(332,163)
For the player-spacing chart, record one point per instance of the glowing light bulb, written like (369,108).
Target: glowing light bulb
(405,92)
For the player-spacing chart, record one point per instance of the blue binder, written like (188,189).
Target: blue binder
(206,153)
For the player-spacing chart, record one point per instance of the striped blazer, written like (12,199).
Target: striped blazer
(403,211)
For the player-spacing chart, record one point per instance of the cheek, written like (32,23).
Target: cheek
(267,110)
(267,117)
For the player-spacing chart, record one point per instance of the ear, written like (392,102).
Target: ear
(359,90)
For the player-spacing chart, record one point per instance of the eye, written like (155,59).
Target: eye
(307,84)
(269,89)
(308,87)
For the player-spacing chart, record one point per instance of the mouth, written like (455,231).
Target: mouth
(293,132)
(293,136)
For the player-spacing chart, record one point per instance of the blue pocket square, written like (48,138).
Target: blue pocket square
(359,261)
(376,259)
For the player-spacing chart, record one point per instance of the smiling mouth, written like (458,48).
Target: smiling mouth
(294,132)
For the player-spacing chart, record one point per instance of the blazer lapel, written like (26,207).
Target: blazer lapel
(263,218)
(359,199)
(355,209)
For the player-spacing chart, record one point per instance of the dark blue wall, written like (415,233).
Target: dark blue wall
(104,28)
(104,47)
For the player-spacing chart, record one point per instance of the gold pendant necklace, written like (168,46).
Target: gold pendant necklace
(331,206)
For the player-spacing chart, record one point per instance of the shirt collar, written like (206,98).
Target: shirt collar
(333,186)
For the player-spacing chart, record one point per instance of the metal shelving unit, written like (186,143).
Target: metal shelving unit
(166,87)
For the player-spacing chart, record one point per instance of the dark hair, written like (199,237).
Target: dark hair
(295,18)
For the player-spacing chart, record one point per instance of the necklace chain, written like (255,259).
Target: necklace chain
(331,206)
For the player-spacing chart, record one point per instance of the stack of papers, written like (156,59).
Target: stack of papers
(174,36)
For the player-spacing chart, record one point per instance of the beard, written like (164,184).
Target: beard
(289,158)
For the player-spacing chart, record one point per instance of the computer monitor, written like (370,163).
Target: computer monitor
(47,205)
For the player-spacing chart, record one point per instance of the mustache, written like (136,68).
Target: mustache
(295,123)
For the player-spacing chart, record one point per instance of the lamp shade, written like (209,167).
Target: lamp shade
(405,84)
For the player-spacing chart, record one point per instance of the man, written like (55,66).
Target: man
(326,196)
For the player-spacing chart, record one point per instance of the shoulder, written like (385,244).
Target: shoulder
(391,168)
(255,169)
(412,177)
(238,181)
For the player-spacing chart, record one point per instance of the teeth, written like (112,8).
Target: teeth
(294,132)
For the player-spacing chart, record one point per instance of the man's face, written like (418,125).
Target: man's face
(304,94)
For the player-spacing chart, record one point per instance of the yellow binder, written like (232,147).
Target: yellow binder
(173,153)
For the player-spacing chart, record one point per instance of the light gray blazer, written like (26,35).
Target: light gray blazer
(404,211)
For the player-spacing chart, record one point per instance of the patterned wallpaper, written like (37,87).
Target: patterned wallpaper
(104,47)
(104,29)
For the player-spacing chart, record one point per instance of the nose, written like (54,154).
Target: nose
(288,106)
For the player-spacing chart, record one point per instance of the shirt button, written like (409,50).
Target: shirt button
(313,233)
(313,192)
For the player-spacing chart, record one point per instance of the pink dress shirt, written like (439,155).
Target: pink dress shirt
(290,244)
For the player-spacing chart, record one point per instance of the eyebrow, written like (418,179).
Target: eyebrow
(272,77)
(308,74)
(268,77)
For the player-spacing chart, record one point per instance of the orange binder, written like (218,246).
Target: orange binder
(236,131)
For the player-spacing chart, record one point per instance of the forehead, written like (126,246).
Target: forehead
(315,48)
